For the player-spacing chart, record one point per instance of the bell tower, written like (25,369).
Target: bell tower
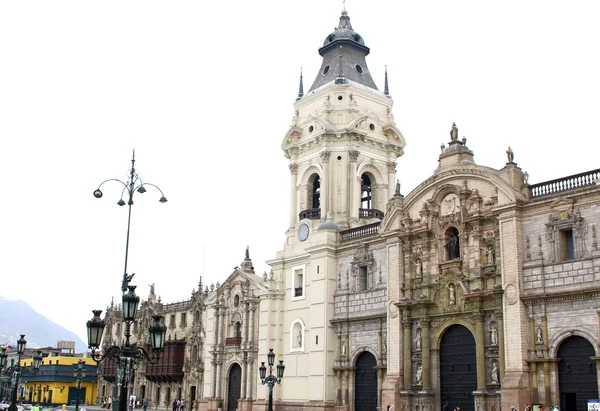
(342,148)
(343,144)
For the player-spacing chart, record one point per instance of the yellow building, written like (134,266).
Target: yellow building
(54,383)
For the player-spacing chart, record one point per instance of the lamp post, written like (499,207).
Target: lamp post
(270,380)
(79,374)
(16,369)
(127,355)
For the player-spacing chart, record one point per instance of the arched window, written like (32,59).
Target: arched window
(452,239)
(238,329)
(365,192)
(313,198)
(316,192)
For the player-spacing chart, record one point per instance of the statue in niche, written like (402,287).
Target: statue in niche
(490,254)
(343,350)
(299,338)
(419,374)
(452,245)
(539,338)
(418,339)
(494,335)
(419,267)
(495,374)
(451,295)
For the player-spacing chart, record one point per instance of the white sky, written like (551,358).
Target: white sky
(204,91)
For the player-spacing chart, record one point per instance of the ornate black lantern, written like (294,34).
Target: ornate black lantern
(95,328)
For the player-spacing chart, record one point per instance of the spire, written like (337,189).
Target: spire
(301,88)
(386,90)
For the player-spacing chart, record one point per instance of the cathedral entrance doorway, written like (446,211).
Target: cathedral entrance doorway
(458,368)
(365,383)
(577,375)
(234,391)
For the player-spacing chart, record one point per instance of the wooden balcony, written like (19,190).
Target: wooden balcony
(169,367)
(233,340)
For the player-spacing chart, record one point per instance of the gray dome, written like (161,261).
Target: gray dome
(344,53)
(329,225)
(344,31)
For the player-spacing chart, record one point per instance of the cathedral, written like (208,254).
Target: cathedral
(475,290)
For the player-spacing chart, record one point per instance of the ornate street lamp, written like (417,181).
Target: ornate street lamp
(126,355)
(16,370)
(79,375)
(270,380)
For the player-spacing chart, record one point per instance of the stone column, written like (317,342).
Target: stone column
(516,384)
(346,385)
(500,344)
(354,186)
(547,397)
(325,206)
(534,377)
(480,351)
(338,396)
(222,314)
(293,194)
(391,185)
(426,353)
(406,322)
(245,320)
(250,379)
(244,377)
(213,362)
(251,337)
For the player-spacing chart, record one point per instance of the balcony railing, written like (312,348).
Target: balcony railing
(311,214)
(565,184)
(370,213)
(298,292)
(233,340)
(358,232)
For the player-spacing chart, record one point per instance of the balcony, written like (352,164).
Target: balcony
(298,292)
(233,340)
(359,232)
(310,214)
(370,213)
(170,366)
(565,184)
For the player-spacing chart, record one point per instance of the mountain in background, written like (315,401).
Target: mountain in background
(16,318)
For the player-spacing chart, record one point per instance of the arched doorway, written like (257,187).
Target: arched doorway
(577,375)
(234,390)
(365,383)
(458,368)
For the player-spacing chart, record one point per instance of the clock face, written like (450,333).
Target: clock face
(302,232)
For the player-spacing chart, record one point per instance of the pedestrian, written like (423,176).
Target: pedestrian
(145,404)
(181,404)
(109,402)
(554,408)
(175,404)
(12,407)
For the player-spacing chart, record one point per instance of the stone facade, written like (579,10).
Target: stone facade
(462,291)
